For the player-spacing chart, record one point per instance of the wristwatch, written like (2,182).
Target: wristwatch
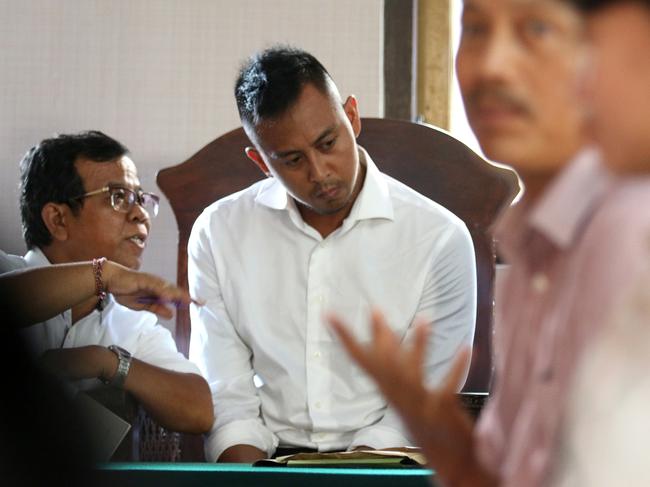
(124,363)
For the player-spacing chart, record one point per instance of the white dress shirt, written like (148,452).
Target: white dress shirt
(135,331)
(268,278)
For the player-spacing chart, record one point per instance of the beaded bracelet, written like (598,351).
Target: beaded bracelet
(100,290)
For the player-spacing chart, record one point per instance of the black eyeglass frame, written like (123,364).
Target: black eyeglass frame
(132,198)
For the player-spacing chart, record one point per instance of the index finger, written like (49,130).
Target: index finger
(175,295)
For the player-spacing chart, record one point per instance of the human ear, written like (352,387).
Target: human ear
(254,155)
(351,108)
(55,218)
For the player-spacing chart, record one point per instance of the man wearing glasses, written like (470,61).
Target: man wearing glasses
(81,201)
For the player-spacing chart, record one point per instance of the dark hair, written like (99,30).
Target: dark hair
(589,6)
(271,81)
(48,174)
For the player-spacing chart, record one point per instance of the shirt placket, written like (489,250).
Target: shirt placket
(86,331)
(317,375)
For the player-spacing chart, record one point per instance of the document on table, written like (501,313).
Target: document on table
(403,458)
(105,429)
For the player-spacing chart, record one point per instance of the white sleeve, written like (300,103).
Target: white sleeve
(156,346)
(222,356)
(448,303)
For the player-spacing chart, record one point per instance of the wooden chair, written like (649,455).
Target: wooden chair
(421,156)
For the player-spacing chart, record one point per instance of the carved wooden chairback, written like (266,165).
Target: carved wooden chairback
(423,157)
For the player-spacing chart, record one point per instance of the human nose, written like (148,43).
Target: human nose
(587,77)
(318,169)
(499,56)
(138,213)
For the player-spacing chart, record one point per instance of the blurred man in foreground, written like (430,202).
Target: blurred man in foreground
(518,65)
(605,441)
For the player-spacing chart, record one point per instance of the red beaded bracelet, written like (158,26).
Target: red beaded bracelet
(100,290)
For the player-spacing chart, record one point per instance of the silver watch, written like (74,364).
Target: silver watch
(124,363)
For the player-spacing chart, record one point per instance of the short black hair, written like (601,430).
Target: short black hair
(590,6)
(48,174)
(271,81)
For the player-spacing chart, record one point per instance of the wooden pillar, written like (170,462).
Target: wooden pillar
(434,62)
(399,59)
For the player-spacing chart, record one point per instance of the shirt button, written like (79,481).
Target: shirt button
(317,405)
(539,283)
(317,354)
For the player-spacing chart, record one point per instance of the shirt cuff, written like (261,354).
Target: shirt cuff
(183,366)
(379,437)
(241,432)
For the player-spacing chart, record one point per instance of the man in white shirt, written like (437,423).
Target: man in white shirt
(326,231)
(81,201)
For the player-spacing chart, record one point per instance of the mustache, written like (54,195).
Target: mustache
(325,186)
(497,95)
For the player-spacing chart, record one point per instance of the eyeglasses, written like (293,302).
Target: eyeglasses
(123,199)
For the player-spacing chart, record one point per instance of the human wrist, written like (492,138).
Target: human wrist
(109,271)
(124,358)
(109,362)
(98,265)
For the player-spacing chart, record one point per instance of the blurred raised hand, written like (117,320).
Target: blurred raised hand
(434,416)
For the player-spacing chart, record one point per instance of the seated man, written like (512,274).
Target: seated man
(67,442)
(81,201)
(327,229)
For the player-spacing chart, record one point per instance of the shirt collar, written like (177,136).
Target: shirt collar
(36,258)
(563,208)
(373,200)
(273,195)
